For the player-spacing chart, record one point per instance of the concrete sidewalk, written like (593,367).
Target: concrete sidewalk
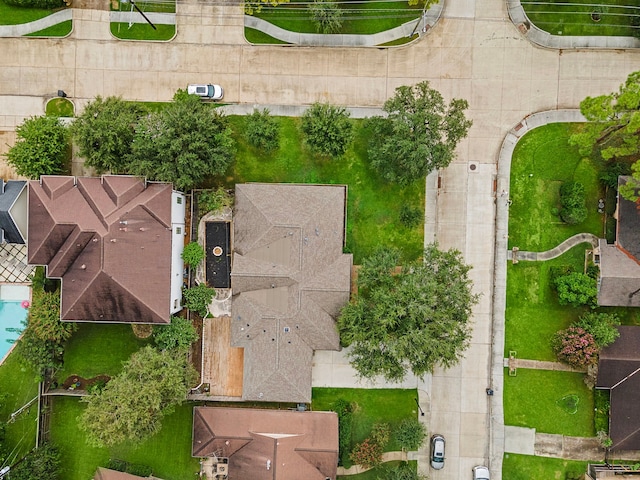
(36,25)
(555,252)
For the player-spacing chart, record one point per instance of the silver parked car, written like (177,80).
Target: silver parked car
(437,452)
(480,472)
(207,92)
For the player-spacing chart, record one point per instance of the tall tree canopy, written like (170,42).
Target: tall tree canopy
(412,318)
(104,133)
(420,133)
(613,127)
(184,143)
(41,147)
(327,129)
(132,405)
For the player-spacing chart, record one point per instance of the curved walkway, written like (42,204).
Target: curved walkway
(565,246)
(36,25)
(421,26)
(386,457)
(546,39)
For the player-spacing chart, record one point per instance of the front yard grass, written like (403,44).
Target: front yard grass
(542,161)
(18,386)
(372,406)
(60,30)
(359,17)
(97,349)
(168,453)
(528,467)
(539,399)
(373,207)
(574,18)
(11,15)
(142,31)
(533,313)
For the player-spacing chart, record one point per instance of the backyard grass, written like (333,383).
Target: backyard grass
(11,15)
(533,313)
(540,399)
(60,30)
(96,349)
(59,107)
(142,31)
(359,16)
(560,17)
(18,386)
(526,467)
(372,406)
(542,161)
(168,453)
(373,208)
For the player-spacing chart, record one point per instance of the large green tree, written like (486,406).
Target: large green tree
(327,129)
(326,15)
(613,127)
(43,462)
(132,405)
(410,318)
(104,133)
(184,143)
(41,147)
(419,134)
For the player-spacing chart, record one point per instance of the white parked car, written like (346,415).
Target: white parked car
(209,91)
(480,472)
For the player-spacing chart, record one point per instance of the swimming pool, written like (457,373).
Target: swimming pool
(12,314)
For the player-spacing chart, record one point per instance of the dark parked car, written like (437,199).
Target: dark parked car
(437,452)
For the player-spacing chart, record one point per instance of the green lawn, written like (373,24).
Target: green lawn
(359,16)
(99,349)
(526,467)
(168,452)
(533,313)
(542,161)
(60,30)
(534,399)
(376,473)
(252,35)
(373,406)
(142,31)
(18,382)
(59,107)
(560,17)
(11,15)
(373,206)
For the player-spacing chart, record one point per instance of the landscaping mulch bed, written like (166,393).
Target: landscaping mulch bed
(76,382)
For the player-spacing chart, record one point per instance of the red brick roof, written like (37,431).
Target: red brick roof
(109,240)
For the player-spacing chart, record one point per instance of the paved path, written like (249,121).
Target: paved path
(474,52)
(515,363)
(386,457)
(555,252)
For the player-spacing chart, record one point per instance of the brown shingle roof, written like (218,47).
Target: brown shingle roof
(619,372)
(289,280)
(109,240)
(268,444)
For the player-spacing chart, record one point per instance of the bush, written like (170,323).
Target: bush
(410,216)
(213,200)
(179,335)
(368,454)
(602,326)
(610,229)
(327,129)
(42,462)
(612,170)
(198,298)
(572,198)
(410,434)
(577,289)
(193,254)
(575,346)
(380,434)
(262,130)
(344,410)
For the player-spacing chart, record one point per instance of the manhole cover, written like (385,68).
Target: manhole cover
(472,167)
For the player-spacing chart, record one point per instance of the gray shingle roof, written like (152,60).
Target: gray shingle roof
(12,196)
(289,280)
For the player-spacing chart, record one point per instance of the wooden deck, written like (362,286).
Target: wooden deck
(223,364)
